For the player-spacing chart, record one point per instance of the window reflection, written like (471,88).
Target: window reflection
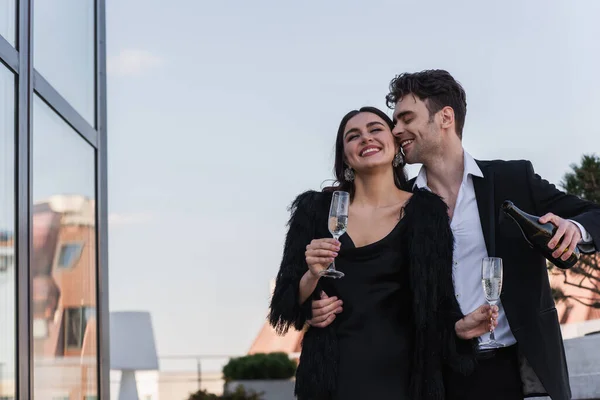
(7,238)
(64,51)
(76,323)
(69,253)
(8,23)
(63,264)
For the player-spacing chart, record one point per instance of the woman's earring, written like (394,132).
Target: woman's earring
(398,159)
(349,174)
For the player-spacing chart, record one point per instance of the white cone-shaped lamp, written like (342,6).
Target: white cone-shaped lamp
(132,348)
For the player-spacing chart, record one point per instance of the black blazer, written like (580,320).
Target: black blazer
(526,294)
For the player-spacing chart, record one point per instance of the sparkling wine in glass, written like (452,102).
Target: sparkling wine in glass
(337,224)
(491,279)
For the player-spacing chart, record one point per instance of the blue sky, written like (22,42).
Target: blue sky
(221,112)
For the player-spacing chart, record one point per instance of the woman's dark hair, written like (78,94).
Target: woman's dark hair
(340,165)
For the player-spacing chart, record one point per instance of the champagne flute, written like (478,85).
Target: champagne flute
(491,279)
(337,224)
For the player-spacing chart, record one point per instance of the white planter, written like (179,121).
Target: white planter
(276,389)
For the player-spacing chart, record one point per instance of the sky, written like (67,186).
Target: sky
(221,112)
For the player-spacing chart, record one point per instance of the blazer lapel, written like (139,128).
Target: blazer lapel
(484,192)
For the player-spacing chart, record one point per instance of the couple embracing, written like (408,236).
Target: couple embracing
(406,320)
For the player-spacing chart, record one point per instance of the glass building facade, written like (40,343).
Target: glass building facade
(53,211)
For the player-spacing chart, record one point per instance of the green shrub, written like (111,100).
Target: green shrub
(239,394)
(203,395)
(260,366)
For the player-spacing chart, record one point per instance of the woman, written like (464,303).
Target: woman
(397,328)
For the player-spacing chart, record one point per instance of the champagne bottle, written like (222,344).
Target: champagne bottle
(538,235)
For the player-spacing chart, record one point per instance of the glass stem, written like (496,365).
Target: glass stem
(332,265)
(492,337)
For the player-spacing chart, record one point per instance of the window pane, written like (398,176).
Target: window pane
(76,323)
(69,253)
(64,50)
(64,259)
(8,23)
(7,239)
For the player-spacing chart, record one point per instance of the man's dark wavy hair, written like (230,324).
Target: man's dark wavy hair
(437,88)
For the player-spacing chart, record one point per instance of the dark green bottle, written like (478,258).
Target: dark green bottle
(538,235)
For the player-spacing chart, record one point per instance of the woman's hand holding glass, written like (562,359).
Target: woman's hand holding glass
(320,253)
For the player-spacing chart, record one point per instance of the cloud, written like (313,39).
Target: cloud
(132,62)
(115,219)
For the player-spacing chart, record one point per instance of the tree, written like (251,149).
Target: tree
(583,181)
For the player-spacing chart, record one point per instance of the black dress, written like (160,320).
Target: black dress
(425,252)
(375,330)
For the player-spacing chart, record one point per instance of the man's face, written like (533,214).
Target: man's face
(418,133)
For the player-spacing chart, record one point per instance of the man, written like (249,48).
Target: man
(429,113)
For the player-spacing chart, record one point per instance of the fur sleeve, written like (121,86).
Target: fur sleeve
(457,353)
(285,310)
(431,247)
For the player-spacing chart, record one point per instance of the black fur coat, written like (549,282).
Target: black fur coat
(429,243)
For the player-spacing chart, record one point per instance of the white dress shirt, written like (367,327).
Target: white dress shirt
(470,249)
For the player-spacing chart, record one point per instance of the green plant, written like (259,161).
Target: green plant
(241,394)
(203,395)
(260,366)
